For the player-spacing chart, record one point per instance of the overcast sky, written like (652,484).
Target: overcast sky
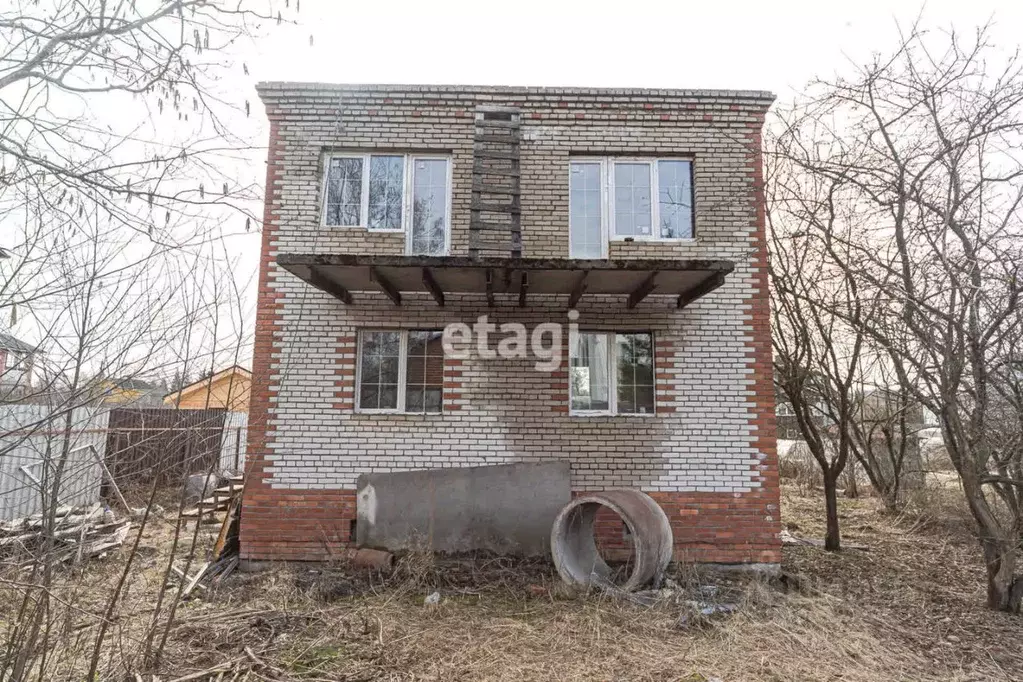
(775,45)
(756,44)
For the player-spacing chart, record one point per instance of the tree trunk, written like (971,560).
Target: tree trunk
(1004,589)
(832,538)
(851,491)
(890,498)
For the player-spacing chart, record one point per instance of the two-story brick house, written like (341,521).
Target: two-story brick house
(394,211)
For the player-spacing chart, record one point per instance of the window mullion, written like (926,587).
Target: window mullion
(364,200)
(605,211)
(407,201)
(358,367)
(402,368)
(655,200)
(612,375)
(609,195)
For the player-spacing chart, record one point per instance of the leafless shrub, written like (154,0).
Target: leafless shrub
(117,181)
(904,183)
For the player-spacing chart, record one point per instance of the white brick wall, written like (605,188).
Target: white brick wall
(510,412)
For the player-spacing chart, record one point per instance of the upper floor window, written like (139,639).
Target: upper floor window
(634,198)
(391,193)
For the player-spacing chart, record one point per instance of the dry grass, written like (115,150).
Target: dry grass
(911,608)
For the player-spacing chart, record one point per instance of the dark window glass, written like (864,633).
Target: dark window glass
(344,191)
(424,376)
(378,370)
(386,182)
(635,373)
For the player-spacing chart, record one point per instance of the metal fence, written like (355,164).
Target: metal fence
(137,447)
(33,439)
(232,444)
(162,446)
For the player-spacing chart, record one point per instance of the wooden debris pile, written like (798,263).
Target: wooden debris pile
(218,506)
(223,506)
(78,532)
(239,668)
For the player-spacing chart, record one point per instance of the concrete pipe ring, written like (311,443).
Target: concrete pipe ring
(574,546)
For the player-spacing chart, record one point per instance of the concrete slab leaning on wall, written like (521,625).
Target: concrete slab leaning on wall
(507,509)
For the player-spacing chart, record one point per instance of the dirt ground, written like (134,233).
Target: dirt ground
(908,608)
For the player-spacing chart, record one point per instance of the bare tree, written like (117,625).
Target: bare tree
(924,145)
(124,170)
(818,354)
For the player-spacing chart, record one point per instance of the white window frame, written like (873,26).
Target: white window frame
(408,161)
(612,375)
(402,374)
(602,164)
(608,192)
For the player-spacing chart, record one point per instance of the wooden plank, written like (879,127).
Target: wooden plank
(485,188)
(643,290)
(490,138)
(213,501)
(109,476)
(578,290)
(490,154)
(385,285)
(195,580)
(232,512)
(502,245)
(516,237)
(478,169)
(181,574)
(496,208)
(491,123)
(702,289)
(431,283)
(320,281)
(486,226)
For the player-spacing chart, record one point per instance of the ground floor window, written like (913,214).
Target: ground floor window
(611,373)
(400,371)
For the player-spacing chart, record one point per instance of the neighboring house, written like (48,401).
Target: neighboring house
(131,392)
(394,211)
(228,389)
(17,360)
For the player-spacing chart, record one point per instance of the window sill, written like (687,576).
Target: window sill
(645,415)
(362,227)
(395,413)
(655,240)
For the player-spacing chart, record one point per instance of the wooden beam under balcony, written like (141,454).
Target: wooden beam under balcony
(702,289)
(643,290)
(522,279)
(431,285)
(578,290)
(490,287)
(319,279)
(385,285)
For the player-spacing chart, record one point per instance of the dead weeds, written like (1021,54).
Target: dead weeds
(909,608)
